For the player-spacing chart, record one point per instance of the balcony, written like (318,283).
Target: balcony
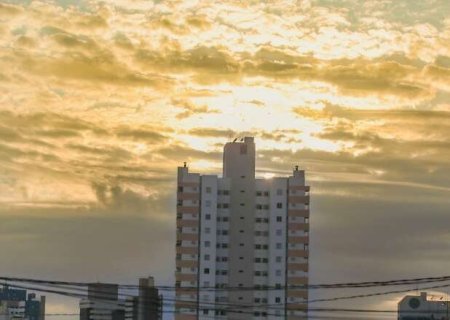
(301,213)
(298,253)
(298,199)
(298,226)
(187,223)
(188,196)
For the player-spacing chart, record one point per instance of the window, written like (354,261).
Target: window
(279,205)
(207,230)
(208,203)
(278,245)
(225,219)
(208,189)
(226,192)
(279,232)
(206,257)
(207,244)
(278,273)
(279,192)
(279,218)
(258,193)
(278,259)
(206,271)
(266,193)
(225,205)
(205,311)
(180,189)
(207,216)
(179,203)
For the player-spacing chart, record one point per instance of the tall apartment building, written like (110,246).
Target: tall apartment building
(242,242)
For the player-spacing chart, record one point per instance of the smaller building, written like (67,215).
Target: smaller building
(147,305)
(15,304)
(420,308)
(103,303)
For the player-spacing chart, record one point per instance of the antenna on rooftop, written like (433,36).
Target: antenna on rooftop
(184,164)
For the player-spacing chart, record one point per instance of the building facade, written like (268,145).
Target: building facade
(148,305)
(103,303)
(17,304)
(421,308)
(242,242)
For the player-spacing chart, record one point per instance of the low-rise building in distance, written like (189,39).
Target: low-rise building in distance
(16,304)
(419,307)
(105,303)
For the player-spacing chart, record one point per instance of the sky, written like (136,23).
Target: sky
(100,101)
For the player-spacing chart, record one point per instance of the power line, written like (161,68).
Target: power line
(367,284)
(223,306)
(232,307)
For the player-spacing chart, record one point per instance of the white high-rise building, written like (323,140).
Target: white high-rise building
(242,242)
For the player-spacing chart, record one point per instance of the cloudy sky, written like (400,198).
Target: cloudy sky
(100,101)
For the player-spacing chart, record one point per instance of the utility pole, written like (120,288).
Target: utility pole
(446,303)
